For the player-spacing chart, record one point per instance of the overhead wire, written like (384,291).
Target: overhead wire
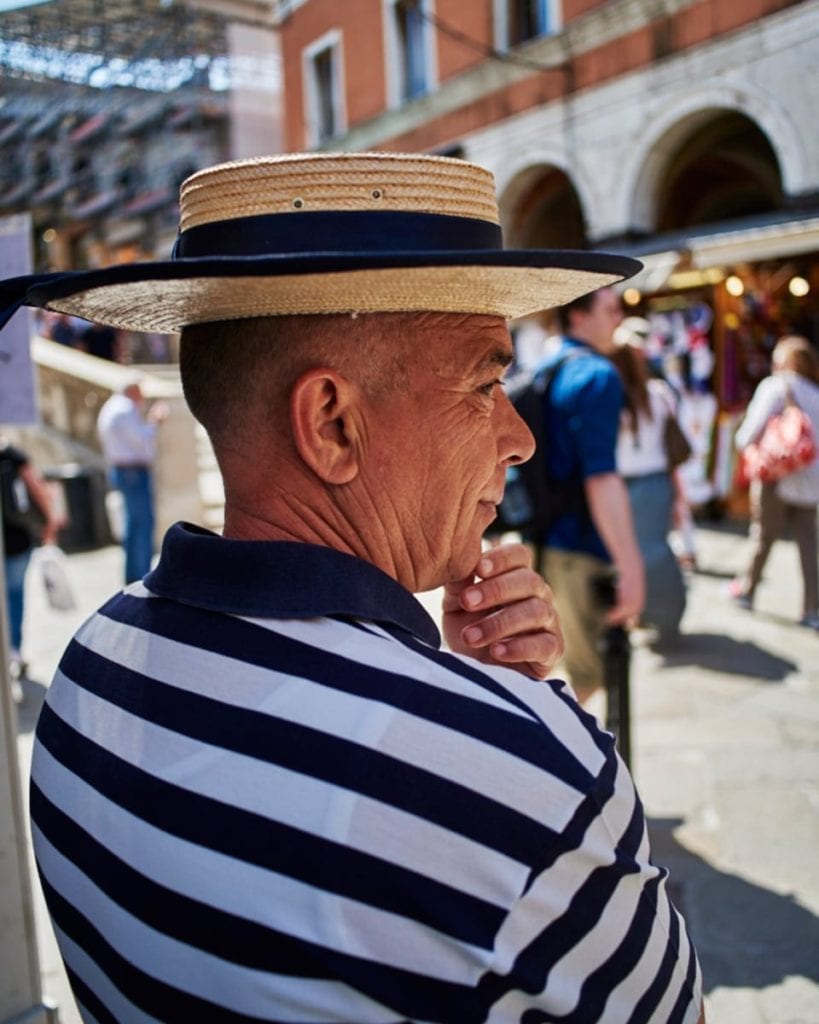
(490,52)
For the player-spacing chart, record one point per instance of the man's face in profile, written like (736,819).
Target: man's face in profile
(598,324)
(440,447)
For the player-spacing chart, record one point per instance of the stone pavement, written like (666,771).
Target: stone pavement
(725,740)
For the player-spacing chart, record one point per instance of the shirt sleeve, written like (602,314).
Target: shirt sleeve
(595,420)
(595,935)
(767,400)
(131,438)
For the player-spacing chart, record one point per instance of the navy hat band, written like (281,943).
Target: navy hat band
(314,231)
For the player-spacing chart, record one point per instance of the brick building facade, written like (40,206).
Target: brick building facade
(677,130)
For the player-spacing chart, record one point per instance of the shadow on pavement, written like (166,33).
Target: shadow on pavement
(716,574)
(724,654)
(29,710)
(746,936)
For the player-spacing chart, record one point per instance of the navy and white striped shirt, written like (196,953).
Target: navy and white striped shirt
(261,792)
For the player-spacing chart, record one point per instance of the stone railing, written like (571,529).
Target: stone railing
(72,387)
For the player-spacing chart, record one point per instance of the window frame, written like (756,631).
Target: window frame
(394,58)
(332,41)
(551,21)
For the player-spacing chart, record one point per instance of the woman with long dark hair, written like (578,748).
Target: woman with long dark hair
(653,490)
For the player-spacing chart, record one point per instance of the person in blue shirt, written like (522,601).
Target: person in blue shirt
(594,546)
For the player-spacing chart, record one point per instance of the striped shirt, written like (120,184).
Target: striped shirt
(261,792)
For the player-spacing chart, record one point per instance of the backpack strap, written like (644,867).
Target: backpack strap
(548,499)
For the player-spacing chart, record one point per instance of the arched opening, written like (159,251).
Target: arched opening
(543,211)
(725,168)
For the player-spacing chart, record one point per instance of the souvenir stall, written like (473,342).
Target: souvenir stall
(712,333)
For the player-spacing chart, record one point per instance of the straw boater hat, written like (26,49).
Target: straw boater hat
(327,233)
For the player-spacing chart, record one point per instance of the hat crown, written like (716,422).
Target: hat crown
(293,183)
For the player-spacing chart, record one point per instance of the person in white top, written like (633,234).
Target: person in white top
(654,492)
(791,501)
(128,442)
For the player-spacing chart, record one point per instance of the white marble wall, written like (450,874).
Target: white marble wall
(614,140)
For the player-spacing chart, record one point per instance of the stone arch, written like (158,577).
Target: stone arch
(644,172)
(541,206)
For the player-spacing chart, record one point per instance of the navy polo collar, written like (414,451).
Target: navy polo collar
(281,580)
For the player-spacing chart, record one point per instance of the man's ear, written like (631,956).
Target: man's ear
(323,419)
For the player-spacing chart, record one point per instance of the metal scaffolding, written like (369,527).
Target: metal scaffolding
(148,44)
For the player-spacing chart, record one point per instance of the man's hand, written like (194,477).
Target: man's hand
(158,413)
(630,596)
(507,617)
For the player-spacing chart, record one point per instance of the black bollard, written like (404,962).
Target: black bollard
(616,659)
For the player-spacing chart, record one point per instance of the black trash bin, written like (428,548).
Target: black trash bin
(83,490)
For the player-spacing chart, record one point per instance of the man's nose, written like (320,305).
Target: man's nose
(517,443)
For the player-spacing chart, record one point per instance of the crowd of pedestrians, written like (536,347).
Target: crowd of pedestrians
(607,410)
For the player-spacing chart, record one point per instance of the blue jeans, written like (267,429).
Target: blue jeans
(16,566)
(135,485)
(652,498)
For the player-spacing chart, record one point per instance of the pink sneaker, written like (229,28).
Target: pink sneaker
(738,595)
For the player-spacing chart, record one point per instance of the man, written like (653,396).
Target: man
(261,790)
(129,445)
(29,517)
(584,545)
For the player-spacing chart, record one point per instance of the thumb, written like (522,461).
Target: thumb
(453,591)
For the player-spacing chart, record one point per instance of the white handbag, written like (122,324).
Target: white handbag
(52,565)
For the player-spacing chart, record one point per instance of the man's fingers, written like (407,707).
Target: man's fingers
(508,621)
(516,584)
(503,558)
(504,614)
(535,654)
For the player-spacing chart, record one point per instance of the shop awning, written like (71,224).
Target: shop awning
(714,247)
(657,268)
(754,243)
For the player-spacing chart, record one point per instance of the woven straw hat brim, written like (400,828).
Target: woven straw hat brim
(165,296)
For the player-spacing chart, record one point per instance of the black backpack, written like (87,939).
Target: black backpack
(19,510)
(533,500)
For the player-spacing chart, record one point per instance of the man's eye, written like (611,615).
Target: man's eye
(489,388)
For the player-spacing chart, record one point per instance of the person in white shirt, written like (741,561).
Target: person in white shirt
(128,441)
(791,501)
(656,498)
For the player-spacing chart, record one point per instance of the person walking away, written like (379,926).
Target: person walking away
(697,412)
(592,545)
(261,789)
(789,503)
(654,491)
(128,439)
(29,518)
